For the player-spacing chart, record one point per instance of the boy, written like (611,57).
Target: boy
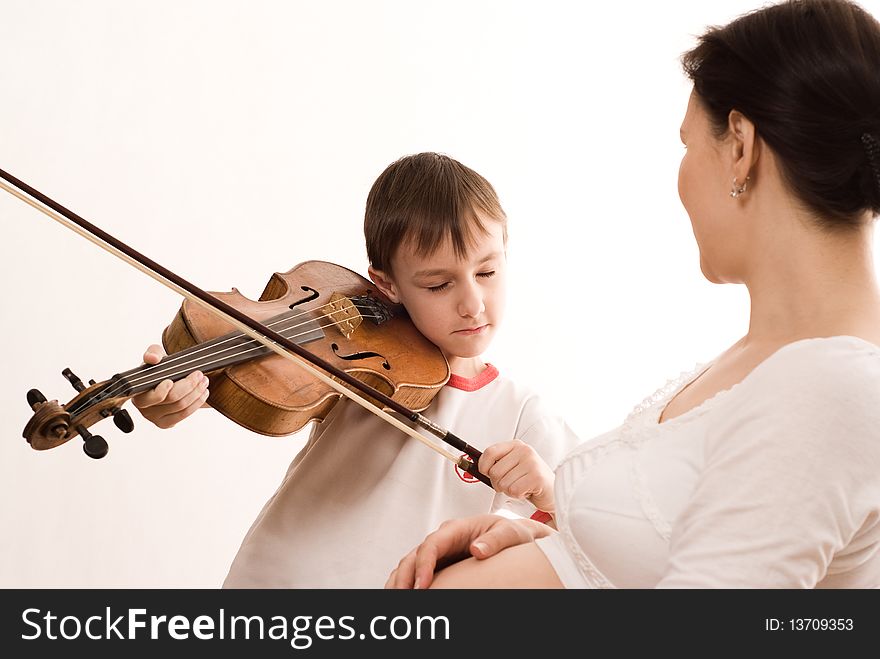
(361,494)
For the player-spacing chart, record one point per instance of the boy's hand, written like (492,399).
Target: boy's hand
(171,402)
(516,469)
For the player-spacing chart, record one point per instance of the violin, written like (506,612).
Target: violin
(260,394)
(333,311)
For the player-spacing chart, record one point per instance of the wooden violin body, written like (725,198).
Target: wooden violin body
(330,311)
(269,396)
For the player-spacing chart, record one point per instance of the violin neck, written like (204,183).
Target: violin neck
(214,355)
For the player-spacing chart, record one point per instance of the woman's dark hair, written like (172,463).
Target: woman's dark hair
(807,74)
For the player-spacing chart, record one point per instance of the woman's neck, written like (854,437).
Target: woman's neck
(817,284)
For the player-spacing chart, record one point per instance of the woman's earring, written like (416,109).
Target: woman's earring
(738,190)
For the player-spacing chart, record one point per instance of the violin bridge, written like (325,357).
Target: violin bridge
(345,315)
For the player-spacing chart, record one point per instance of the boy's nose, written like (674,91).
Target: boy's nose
(470,305)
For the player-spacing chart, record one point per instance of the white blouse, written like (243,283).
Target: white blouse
(773,483)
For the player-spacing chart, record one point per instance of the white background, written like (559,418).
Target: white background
(230,140)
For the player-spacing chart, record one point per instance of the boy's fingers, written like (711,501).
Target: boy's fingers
(498,471)
(500,458)
(491,455)
(518,483)
(153,396)
(154,354)
(173,396)
(185,393)
(170,420)
(511,469)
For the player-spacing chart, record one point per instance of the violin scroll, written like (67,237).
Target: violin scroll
(53,424)
(48,426)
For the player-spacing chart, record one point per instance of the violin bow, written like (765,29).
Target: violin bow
(274,341)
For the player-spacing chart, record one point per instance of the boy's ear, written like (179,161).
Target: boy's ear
(384,283)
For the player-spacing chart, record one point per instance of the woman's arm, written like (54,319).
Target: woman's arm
(520,566)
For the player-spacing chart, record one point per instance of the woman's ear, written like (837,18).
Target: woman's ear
(745,147)
(385,284)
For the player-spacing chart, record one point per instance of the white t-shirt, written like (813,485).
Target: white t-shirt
(773,483)
(361,494)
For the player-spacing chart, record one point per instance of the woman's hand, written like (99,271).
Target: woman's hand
(516,469)
(171,402)
(480,536)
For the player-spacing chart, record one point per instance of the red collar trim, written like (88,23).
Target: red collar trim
(472,384)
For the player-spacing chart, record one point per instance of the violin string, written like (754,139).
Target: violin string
(169,364)
(148,376)
(172,367)
(144,379)
(208,345)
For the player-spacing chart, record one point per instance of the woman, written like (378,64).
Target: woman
(762,468)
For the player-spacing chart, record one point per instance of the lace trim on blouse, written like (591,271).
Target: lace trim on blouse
(631,435)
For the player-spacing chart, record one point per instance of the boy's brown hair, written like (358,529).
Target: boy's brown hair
(424,199)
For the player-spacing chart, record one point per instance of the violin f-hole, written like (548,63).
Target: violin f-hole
(360,355)
(314,296)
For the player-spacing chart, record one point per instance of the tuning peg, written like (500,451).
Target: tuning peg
(94,446)
(122,419)
(34,398)
(75,381)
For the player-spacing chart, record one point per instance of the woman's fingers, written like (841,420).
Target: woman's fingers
(506,533)
(404,574)
(449,543)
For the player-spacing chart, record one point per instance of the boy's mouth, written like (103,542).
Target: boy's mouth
(471,330)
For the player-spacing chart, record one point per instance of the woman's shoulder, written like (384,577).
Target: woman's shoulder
(825,345)
(815,387)
(812,407)
(828,363)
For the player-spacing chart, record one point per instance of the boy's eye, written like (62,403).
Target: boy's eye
(486,274)
(438,288)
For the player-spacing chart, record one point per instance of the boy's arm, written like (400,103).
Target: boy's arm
(523,469)
(171,402)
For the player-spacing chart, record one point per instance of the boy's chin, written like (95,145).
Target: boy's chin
(467,349)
